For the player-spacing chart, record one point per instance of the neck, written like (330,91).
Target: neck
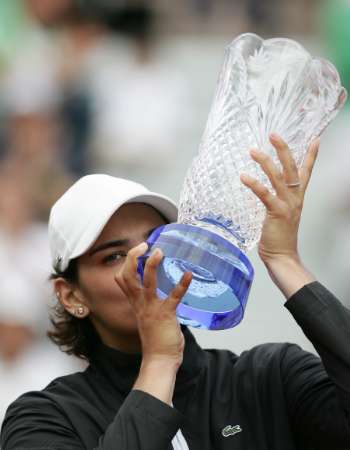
(123,343)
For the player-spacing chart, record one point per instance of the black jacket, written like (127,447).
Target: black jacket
(272,397)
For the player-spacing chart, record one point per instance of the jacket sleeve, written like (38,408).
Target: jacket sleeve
(143,422)
(33,422)
(318,391)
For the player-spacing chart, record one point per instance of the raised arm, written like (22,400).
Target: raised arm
(317,391)
(278,246)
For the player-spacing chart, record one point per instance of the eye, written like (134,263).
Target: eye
(114,257)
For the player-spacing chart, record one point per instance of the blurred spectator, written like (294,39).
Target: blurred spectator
(32,136)
(75,34)
(114,103)
(143,106)
(25,295)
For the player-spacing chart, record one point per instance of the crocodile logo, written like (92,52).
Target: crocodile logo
(231,430)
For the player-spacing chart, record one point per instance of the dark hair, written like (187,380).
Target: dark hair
(72,335)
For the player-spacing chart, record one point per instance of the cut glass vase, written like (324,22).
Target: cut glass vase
(264,86)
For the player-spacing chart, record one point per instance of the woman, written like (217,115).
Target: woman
(147,378)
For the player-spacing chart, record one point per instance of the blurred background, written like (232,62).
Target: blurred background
(125,87)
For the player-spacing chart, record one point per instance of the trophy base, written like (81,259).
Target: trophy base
(221,275)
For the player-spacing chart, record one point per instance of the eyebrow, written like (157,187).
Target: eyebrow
(117,243)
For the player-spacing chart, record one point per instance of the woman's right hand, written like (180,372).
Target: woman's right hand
(159,330)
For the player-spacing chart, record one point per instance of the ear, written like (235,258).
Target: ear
(70,298)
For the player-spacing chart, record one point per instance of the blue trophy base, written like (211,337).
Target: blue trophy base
(222,275)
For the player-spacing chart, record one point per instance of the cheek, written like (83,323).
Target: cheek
(104,297)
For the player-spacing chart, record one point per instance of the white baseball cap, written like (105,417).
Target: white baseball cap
(79,216)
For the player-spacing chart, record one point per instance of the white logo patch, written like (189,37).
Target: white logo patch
(231,430)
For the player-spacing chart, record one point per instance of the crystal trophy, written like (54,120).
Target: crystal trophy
(264,86)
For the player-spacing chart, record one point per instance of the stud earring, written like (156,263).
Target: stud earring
(80,311)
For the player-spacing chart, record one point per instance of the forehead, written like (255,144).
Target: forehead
(131,218)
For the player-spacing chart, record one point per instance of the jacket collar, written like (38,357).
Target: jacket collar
(121,369)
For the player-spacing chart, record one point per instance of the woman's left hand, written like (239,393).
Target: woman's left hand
(279,239)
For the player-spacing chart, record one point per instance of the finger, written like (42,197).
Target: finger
(267,198)
(177,294)
(272,172)
(150,274)
(309,162)
(129,275)
(290,169)
(120,282)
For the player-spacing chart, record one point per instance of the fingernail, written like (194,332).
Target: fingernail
(274,136)
(245,177)
(157,252)
(254,152)
(142,247)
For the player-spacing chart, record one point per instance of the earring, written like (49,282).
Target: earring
(80,311)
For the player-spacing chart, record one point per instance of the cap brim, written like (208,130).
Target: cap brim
(159,202)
